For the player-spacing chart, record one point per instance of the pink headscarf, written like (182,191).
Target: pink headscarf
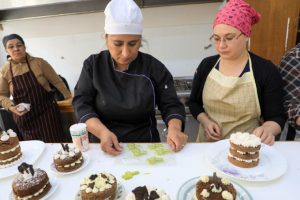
(238,14)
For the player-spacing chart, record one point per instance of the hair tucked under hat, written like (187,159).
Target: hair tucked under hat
(238,14)
(11,37)
(123,17)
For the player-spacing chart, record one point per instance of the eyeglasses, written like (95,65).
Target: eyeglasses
(17,46)
(227,39)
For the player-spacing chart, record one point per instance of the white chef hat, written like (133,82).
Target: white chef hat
(123,17)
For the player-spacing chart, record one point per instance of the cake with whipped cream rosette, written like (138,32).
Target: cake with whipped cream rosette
(244,150)
(214,188)
(68,158)
(147,193)
(10,150)
(100,186)
(30,183)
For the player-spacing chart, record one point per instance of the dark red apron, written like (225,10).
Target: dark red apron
(42,122)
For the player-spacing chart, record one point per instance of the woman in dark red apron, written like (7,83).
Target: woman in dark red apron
(42,122)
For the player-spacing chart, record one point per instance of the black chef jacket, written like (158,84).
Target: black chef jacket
(125,101)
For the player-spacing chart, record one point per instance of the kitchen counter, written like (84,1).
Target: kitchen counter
(170,176)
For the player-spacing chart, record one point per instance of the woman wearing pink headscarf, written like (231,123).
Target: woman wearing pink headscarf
(236,90)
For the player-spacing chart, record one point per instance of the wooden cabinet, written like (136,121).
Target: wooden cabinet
(298,30)
(276,33)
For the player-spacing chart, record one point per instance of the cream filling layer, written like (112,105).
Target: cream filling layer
(7,160)
(243,160)
(243,152)
(35,194)
(10,150)
(78,161)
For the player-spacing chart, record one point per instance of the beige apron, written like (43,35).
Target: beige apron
(232,102)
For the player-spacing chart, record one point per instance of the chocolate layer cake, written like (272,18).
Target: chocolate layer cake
(244,150)
(147,193)
(214,188)
(30,184)
(68,159)
(101,186)
(10,150)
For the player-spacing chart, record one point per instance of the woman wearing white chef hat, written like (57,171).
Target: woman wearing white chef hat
(119,88)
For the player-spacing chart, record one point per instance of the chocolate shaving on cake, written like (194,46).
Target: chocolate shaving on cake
(141,193)
(93,177)
(31,170)
(153,195)
(104,176)
(91,185)
(21,169)
(26,167)
(216,180)
(65,147)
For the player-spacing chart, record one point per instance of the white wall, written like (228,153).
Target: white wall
(176,35)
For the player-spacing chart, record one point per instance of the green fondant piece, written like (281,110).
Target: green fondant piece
(129,174)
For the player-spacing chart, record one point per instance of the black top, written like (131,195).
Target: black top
(268,83)
(125,101)
(246,68)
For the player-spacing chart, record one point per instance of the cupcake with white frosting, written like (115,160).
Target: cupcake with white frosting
(10,149)
(68,158)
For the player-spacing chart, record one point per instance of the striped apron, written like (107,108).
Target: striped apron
(42,122)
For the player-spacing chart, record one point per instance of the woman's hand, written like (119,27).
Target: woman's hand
(267,132)
(14,110)
(175,138)
(109,143)
(212,130)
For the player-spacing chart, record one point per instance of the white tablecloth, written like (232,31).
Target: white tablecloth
(183,166)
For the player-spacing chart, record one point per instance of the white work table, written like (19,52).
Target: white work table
(177,169)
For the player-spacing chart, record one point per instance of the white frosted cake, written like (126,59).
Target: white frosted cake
(100,186)
(68,158)
(244,149)
(10,150)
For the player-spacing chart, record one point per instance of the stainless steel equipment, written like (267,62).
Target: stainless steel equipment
(183,86)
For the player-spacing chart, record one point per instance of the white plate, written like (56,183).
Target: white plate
(54,186)
(271,165)
(86,160)
(120,193)
(31,151)
(187,190)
